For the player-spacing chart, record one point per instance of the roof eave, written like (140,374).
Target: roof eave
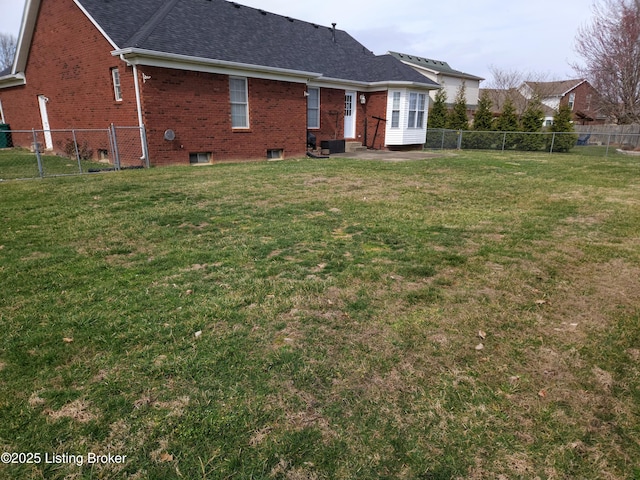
(404,84)
(449,73)
(29,17)
(138,56)
(13,80)
(573,88)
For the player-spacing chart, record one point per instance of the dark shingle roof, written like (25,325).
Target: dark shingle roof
(435,65)
(222,30)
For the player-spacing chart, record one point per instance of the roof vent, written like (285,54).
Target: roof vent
(262,12)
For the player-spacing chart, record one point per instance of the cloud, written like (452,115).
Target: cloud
(470,35)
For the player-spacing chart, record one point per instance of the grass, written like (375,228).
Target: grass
(324,320)
(20,163)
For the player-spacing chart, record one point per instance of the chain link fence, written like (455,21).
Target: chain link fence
(587,143)
(45,153)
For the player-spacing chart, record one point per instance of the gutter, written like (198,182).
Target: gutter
(139,56)
(374,86)
(152,58)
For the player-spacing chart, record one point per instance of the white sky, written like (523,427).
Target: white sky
(471,35)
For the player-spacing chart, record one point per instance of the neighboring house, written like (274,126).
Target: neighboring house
(231,82)
(578,94)
(499,96)
(449,79)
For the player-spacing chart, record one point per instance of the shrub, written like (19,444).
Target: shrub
(84,151)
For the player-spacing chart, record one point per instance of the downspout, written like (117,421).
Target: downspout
(143,143)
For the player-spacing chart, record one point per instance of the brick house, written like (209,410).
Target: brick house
(209,80)
(578,94)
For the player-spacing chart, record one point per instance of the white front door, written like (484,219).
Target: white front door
(350,115)
(48,141)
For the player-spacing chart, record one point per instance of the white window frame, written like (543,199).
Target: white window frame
(313,111)
(239,103)
(417,107)
(396,98)
(572,100)
(117,86)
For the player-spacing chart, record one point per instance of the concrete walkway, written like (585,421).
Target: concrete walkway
(389,156)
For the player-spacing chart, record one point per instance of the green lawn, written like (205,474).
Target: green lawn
(19,163)
(472,316)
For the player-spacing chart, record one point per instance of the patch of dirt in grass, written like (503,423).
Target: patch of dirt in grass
(592,292)
(284,470)
(36,256)
(175,407)
(315,180)
(603,378)
(78,410)
(35,400)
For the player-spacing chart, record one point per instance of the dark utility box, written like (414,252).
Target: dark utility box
(334,146)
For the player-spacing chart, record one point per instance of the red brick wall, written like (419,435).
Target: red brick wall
(69,62)
(376,106)
(196,106)
(584,104)
(332,116)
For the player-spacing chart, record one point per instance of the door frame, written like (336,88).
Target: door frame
(46,127)
(350,120)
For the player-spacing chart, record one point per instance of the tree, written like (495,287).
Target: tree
(483,118)
(610,49)
(458,119)
(438,113)
(508,120)
(481,138)
(565,139)
(7,50)
(531,122)
(518,86)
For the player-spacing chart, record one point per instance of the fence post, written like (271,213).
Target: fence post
(38,157)
(442,142)
(116,154)
(459,145)
(606,153)
(75,144)
(553,141)
(504,141)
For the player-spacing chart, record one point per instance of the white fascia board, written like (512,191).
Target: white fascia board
(137,56)
(29,17)
(420,67)
(368,86)
(399,84)
(13,80)
(96,24)
(455,74)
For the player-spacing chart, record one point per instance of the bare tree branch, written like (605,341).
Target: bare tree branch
(511,84)
(7,50)
(610,49)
